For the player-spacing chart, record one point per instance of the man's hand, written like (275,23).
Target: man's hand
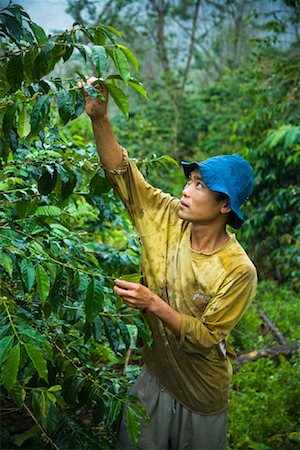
(135,295)
(95,108)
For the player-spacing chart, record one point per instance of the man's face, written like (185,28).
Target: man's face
(198,203)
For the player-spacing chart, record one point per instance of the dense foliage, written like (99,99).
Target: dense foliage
(67,344)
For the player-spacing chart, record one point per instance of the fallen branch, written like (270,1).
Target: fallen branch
(268,352)
(274,330)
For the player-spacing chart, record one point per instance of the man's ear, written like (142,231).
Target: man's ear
(225,207)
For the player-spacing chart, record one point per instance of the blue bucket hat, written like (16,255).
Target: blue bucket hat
(230,174)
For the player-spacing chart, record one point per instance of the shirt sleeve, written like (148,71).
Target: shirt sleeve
(147,206)
(201,335)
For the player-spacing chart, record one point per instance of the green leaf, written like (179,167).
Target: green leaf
(113,30)
(28,273)
(9,119)
(10,368)
(43,282)
(92,91)
(47,181)
(111,333)
(39,33)
(122,64)
(24,127)
(132,277)
(99,184)
(132,58)
(6,262)
(26,207)
(28,62)
(144,330)
(99,37)
(99,58)
(119,97)
(124,333)
(114,410)
(93,302)
(38,360)
(68,187)
(138,87)
(133,425)
(39,114)
(65,105)
(5,346)
(14,71)
(55,388)
(48,210)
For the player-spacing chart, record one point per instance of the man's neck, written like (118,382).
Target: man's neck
(207,239)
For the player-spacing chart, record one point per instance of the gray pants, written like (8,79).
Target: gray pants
(172,425)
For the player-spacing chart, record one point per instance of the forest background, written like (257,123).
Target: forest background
(217,77)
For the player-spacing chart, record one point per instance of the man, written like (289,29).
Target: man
(197,283)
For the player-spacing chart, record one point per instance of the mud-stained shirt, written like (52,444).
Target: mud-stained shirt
(210,291)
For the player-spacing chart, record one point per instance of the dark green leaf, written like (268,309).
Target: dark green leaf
(65,105)
(99,184)
(10,367)
(92,91)
(39,33)
(14,71)
(42,62)
(5,346)
(28,62)
(68,186)
(39,114)
(12,25)
(47,182)
(124,333)
(93,303)
(9,119)
(144,330)
(28,273)
(111,333)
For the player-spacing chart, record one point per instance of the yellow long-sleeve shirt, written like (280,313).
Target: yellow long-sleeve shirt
(211,292)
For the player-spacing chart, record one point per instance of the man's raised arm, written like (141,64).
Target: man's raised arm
(108,148)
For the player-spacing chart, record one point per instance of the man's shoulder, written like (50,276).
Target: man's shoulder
(236,258)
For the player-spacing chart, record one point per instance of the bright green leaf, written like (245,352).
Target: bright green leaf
(10,368)
(113,30)
(38,360)
(119,97)
(122,64)
(133,425)
(24,127)
(48,210)
(132,58)
(6,262)
(99,58)
(43,282)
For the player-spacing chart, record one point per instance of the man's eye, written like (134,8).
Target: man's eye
(199,185)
